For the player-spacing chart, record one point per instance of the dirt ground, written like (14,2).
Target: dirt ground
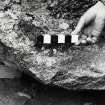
(27,91)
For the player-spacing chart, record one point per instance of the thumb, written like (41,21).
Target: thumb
(85,19)
(98,27)
(79,26)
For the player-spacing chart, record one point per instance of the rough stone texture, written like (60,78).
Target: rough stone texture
(8,66)
(74,67)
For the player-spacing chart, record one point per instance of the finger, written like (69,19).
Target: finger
(88,30)
(98,26)
(85,19)
(79,26)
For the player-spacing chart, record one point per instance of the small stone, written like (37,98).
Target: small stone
(89,39)
(54,51)
(43,48)
(94,39)
(84,37)
(27,18)
(46,51)
(13,16)
(64,26)
(83,41)
(21,94)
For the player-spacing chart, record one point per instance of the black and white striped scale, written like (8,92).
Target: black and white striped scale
(47,39)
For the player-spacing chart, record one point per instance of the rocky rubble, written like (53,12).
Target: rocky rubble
(75,67)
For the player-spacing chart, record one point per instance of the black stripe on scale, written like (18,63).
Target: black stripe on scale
(68,39)
(54,40)
(39,41)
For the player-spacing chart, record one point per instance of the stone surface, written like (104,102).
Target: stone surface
(43,95)
(80,67)
(9,92)
(8,66)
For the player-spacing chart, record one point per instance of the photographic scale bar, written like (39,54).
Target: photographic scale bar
(57,39)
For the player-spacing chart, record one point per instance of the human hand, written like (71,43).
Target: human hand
(92,22)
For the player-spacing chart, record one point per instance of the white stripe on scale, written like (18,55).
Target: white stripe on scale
(61,38)
(74,38)
(47,39)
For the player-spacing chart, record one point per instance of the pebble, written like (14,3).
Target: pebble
(46,51)
(54,51)
(21,94)
(43,48)
(89,39)
(94,39)
(64,26)
(84,37)
(83,41)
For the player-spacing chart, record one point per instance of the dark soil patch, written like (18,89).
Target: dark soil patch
(69,9)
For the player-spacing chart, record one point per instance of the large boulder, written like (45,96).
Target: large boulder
(81,67)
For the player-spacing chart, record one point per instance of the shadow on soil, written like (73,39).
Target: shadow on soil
(45,95)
